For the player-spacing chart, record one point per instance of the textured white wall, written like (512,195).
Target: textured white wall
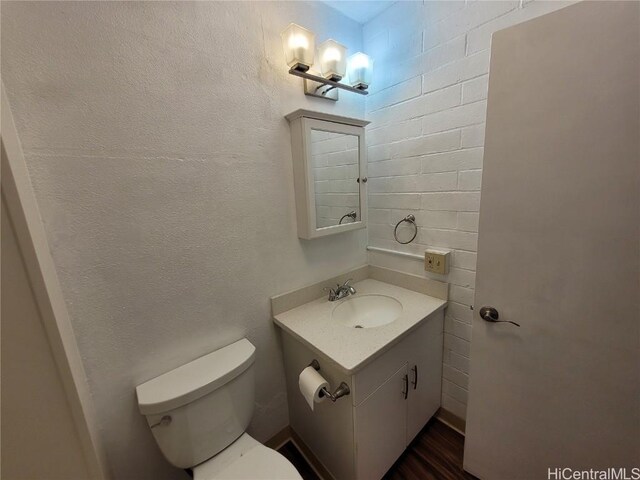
(156,140)
(427,111)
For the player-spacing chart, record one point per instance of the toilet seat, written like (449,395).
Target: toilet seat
(246,459)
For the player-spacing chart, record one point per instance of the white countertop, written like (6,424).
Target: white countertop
(352,348)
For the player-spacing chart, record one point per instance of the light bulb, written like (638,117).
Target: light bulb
(331,54)
(297,40)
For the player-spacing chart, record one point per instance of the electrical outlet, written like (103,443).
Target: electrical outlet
(436,261)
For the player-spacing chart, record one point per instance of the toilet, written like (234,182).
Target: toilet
(198,414)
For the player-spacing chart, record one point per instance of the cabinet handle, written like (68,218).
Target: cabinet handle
(415,381)
(406,386)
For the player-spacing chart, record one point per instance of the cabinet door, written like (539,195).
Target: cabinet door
(424,350)
(381,427)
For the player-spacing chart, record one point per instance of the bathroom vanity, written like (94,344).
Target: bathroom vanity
(385,343)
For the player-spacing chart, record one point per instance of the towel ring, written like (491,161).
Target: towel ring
(409,219)
(352,215)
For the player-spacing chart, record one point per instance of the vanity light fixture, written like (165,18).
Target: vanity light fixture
(299,52)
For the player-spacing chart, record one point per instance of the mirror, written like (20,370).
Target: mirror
(329,173)
(334,160)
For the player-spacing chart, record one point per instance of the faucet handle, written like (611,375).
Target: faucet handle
(332,292)
(346,284)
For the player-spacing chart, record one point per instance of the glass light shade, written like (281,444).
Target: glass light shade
(360,70)
(299,47)
(333,60)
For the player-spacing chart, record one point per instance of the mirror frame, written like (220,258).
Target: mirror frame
(302,122)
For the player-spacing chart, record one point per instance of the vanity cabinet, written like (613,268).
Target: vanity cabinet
(392,397)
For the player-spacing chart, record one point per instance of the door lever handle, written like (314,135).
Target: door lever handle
(490,314)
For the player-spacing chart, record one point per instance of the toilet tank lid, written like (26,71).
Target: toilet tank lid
(195,379)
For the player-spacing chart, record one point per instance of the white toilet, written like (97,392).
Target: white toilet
(198,414)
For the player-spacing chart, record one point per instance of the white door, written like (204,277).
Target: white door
(381,426)
(559,249)
(425,373)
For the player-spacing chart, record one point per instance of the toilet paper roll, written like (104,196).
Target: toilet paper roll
(311,384)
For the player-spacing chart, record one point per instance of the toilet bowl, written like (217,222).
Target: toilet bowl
(198,414)
(246,458)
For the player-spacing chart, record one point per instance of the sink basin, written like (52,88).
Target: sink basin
(367,311)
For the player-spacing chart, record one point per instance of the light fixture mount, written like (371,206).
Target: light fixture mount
(317,86)
(320,90)
(300,67)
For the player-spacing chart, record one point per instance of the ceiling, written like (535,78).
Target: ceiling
(361,11)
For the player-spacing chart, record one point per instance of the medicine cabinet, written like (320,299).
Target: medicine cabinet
(330,173)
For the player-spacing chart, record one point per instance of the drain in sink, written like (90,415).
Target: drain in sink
(358,326)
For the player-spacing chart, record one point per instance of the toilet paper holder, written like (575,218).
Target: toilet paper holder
(342,390)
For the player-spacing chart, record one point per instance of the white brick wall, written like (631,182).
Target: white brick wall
(427,109)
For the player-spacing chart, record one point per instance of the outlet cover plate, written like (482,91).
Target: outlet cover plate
(437,261)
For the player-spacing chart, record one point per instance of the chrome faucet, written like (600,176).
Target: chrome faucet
(340,291)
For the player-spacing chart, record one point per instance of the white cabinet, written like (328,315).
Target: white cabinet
(392,398)
(329,173)
(381,438)
(425,376)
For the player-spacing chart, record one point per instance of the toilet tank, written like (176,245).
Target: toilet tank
(200,408)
